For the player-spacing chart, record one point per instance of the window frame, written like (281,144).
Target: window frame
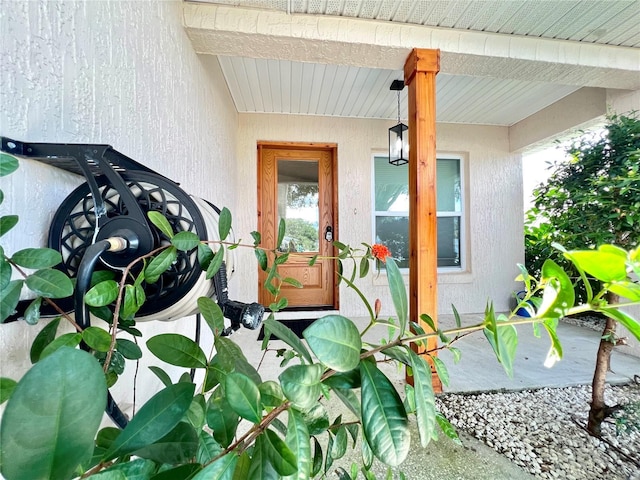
(439,214)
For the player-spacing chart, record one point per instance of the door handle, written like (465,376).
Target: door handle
(328,234)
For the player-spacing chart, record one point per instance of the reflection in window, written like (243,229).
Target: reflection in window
(298,205)
(391,200)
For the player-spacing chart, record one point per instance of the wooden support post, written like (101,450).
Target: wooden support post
(420,71)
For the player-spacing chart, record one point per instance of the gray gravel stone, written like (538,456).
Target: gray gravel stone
(541,430)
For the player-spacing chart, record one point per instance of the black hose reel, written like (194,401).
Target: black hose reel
(104,221)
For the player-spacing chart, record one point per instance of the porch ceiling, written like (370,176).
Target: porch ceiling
(501,60)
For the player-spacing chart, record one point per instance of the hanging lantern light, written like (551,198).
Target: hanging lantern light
(398,134)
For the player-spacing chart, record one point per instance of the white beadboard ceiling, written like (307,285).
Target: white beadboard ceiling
(278,85)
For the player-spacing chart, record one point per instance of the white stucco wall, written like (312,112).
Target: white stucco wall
(116,72)
(494,200)
(623,101)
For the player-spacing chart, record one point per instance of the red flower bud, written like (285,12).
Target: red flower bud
(380,252)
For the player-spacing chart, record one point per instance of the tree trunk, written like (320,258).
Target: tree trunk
(600,410)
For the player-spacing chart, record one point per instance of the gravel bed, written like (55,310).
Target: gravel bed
(591,322)
(536,430)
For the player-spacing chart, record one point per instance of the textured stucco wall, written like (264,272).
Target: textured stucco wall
(116,72)
(623,101)
(494,199)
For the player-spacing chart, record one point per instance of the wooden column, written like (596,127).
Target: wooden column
(420,71)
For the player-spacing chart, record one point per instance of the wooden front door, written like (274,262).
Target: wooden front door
(296,182)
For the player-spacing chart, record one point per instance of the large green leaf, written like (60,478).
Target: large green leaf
(626,289)
(50,422)
(280,456)
(339,445)
(260,466)
(162,375)
(558,294)
(316,418)
(7,386)
(271,394)
(441,370)
(9,298)
(5,271)
(154,420)
(178,350)
(350,400)
(106,436)
(66,340)
(502,338)
(316,466)
(160,264)
(222,419)
(243,396)
(185,241)
(231,359)
(298,441)
(447,428)
(282,230)
(243,466)
(97,338)
(384,420)
(555,350)
(8,164)
(128,349)
(286,335)
(398,293)
(37,258)
(102,294)
(44,338)
(208,448)
(605,264)
(424,398)
(197,410)
(216,262)
(344,380)
(205,254)
(398,353)
(32,312)
(224,223)
(261,255)
(367,453)
(301,384)
(161,222)
(221,469)
(180,445)
(336,341)
(185,472)
(134,298)
(50,283)
(625,319)
(7,222)
(138,469)
(212,314)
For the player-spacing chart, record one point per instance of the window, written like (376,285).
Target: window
(391,210)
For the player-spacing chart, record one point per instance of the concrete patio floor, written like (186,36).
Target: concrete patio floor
(478,370)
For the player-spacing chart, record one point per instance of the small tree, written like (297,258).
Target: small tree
(593,199)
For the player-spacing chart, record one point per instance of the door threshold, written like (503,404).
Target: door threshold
(302,315)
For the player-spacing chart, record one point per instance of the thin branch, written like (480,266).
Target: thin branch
(116,310)
(253,433)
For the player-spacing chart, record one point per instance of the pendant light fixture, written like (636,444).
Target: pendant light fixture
(398,134)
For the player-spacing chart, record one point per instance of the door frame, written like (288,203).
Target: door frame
(332,148)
